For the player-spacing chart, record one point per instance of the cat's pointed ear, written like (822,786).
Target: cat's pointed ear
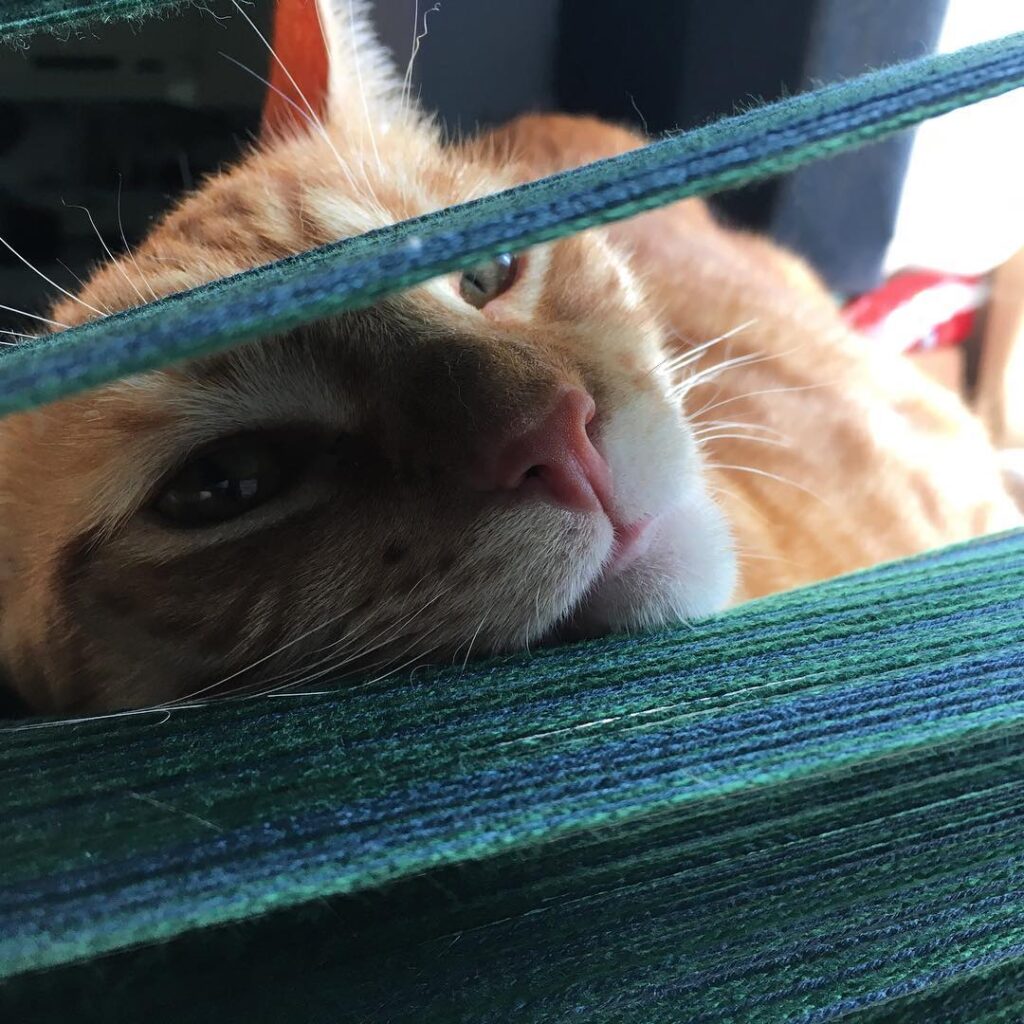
(329,65)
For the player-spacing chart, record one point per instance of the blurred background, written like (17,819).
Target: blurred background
(99,132)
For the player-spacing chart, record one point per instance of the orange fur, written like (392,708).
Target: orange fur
(879,462)
(385,551)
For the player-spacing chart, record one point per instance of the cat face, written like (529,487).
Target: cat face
(485,462)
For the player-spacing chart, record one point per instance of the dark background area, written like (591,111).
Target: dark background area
(122,120)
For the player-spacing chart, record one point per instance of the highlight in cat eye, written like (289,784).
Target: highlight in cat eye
(222,482)
(486,281)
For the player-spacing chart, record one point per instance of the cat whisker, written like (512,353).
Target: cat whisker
(469,647)
(7,245)
(398,668)
(414,50)
(713,425)
(314,117)
(387,635)
(335,673)
(742,425)
(337,668)
(676,362)
(711,373)
(33,316)
(415,661)
(770,476)
(759,393)
(87,719)
(711,436)
(756,556)
(127,247)
(15,334)
(719,489)
(287,99)
(340,650)
(106,248)
(417,38)
(333,645)
(254,664)
(527,632)
(106,309)
(536,617)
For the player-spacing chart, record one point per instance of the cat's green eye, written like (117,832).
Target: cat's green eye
(222,483)
(486,281)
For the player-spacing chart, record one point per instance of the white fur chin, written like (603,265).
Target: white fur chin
(688,571)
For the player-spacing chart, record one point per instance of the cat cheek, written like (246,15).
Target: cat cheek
(688,570)
(651,453)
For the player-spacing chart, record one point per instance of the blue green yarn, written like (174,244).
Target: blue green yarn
(804,809)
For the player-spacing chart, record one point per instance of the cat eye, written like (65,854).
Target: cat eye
(485,282)
(222,483)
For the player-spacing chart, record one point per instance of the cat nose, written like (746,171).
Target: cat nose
(554,458)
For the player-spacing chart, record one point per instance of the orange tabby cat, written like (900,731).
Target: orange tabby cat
(572,440)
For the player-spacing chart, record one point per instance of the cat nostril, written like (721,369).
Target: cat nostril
(553,458)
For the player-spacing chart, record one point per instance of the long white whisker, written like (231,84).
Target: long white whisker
(289,692)
(744,556)
(719,489)
(33,316)
(407,77)
(291,103)
(755,394)
(397,668)
(7,245)
(712,372)
(65,722)
(81,283)
(770,476)
(338,664)
(677,362)
(742,425)
(746,437)
(472,641)
(417,38)
(309,106)
(337,651)
(106,249)
(127,247)
(383,637)
(340,650)
(259,661)
(184,702)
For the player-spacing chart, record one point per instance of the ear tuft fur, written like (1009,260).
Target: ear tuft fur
(330,65)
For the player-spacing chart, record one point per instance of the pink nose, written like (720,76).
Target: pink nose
(555,458)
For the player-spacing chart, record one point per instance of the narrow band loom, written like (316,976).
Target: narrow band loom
(808,809)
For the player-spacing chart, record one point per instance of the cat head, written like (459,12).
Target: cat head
(487,461)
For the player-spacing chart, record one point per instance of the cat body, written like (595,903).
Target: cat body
(609,432)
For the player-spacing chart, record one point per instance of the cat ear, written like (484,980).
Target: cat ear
(329,65)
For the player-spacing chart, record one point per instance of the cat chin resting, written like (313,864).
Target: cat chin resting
(611,432)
